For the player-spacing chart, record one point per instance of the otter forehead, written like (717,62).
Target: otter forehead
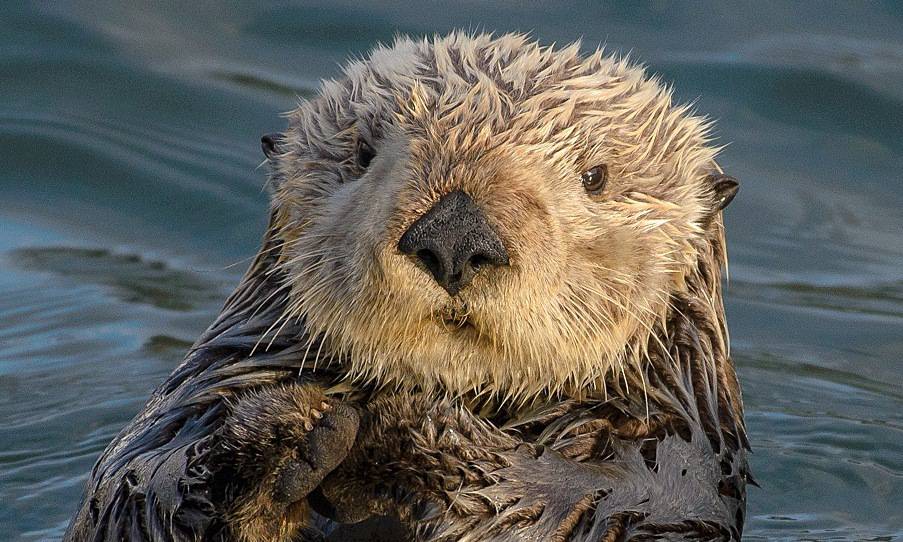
(460,96)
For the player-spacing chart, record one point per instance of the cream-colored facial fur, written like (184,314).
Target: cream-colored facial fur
(514,125)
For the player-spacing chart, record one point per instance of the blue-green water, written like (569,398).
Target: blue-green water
(129,182)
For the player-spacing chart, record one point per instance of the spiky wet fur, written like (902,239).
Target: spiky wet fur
(598,358)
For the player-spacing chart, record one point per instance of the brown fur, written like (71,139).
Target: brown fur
(590,394)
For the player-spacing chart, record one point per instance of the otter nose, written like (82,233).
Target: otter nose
(454,241)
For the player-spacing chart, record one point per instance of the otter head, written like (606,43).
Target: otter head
(473,213)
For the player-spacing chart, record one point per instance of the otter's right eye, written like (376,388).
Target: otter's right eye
(365,154)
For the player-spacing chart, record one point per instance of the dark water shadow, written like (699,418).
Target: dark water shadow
(132,278)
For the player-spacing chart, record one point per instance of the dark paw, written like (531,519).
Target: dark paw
(328,439)
(309,534)
(275,447)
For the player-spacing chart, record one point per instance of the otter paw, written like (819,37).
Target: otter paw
(279,442)
(309,534)
(330,434)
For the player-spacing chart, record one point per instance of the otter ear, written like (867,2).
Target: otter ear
(724,188)
(270,144)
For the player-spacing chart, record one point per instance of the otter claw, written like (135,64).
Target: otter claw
(325,406)
(316,414)
(308,426)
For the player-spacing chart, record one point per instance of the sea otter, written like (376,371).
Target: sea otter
(488,306)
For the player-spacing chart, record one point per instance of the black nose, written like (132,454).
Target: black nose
(454,241)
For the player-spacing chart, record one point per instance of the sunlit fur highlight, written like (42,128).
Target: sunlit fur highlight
(514,125)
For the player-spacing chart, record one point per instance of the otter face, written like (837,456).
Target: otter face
(483,214)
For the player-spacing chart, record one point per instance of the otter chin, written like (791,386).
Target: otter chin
(487,307)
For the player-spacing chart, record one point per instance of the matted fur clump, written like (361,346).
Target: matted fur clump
(488,306)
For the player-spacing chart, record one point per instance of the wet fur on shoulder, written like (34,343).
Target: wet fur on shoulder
(584,392)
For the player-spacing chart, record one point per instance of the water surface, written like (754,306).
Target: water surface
(130,183)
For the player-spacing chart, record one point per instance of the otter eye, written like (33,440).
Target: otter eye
(365,154)
(594,179)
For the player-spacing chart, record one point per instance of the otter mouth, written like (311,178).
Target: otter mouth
(456,318)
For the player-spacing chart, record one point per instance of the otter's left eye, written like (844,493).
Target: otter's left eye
(594,179)
(365,154)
